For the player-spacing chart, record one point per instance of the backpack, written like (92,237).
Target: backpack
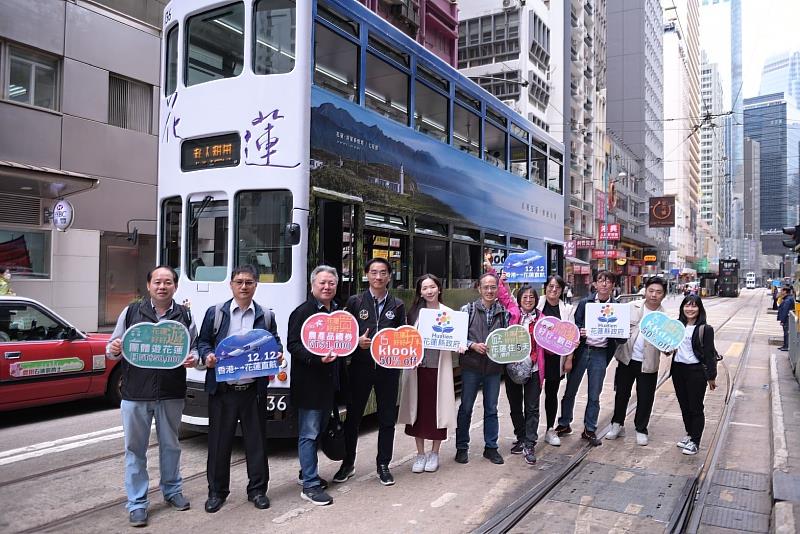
(701,332)
(218,317)
(133,309)
(471,314)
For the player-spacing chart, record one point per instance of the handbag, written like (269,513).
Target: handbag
(520,372)
(332,440)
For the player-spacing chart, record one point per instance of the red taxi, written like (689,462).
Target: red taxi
(46,360)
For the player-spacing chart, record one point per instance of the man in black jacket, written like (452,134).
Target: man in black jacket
(148,393)
(592,357)
(239,401)
(375,309)
(314,383)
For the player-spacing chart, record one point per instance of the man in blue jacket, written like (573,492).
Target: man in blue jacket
(786,307)
(239,401)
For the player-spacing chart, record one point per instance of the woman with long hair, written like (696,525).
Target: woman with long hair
(427,396)
(694,365)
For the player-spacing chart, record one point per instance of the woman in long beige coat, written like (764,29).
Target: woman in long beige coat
(427,396)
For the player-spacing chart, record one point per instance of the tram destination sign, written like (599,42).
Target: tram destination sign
(210,152)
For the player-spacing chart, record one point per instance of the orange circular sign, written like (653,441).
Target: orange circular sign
(397,348)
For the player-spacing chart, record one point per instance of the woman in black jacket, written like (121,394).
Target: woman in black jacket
(693,366)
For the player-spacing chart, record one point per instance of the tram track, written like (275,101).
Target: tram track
(506,519)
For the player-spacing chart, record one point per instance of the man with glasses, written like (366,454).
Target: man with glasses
(375,309)
(238,401)
(592,357)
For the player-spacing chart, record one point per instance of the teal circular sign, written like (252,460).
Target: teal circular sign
(163,345)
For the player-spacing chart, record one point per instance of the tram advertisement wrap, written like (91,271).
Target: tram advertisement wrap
(163,345)
(443,329)
(528,266)
(609,319)
(250,355)
(509,345)
(397,348)
(325,333)
(556,336)
(663,333)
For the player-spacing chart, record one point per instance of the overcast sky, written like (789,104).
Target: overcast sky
(768,27)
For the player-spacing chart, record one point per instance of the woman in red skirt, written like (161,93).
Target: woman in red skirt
(427,396)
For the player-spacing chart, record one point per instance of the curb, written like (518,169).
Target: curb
(780,454)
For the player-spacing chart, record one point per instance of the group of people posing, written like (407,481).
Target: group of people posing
(427,404)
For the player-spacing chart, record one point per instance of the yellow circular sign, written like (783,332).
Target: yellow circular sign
(622,261)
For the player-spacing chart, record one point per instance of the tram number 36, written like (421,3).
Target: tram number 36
(276,402)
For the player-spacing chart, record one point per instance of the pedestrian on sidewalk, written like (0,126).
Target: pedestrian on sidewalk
(427,393)
(5,281)
(235,402)
(638,362)
(786,307)
(694,365)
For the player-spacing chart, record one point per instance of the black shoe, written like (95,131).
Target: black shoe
(213,504)
(138,517)
(462,456)
(179,502)
(385,475)
(322,482)
(517,447)
(317,496)
(493,456)
(783,349)
(259,500)
(591,437)
(344,473)
(563,430)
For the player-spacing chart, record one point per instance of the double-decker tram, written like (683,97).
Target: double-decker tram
(299,133)
(750,280)
(728,278)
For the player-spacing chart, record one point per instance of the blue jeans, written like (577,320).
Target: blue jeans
(137,418)
(593,362)
(310,425)
(470,382)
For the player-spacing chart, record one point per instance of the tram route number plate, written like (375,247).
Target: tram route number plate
(276,403)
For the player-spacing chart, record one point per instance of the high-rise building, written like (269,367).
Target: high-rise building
(781,73)
(713,201)
(771,120)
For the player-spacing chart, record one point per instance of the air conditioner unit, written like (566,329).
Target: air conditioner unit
(509,4)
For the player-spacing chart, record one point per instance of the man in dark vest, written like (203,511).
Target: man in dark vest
(375,309)
(148,393)
(235,401)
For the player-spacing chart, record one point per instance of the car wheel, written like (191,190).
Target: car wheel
(114,386)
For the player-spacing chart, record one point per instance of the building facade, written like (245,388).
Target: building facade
(713,201)
(781,73)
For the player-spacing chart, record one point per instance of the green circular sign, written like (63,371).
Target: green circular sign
(163,345)
(509,345)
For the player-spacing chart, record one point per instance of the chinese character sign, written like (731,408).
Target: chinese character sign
(443,329)
(262,140)
(569,249)
(45,367)
(609,319)
(528,266)
(663,333)
(556,336)
(509,345)
(610,232)
(336,332)
(162,345)
(397,348)
(250,355)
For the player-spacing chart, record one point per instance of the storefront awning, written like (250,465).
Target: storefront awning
(687,270)
(42,182)
(576,261)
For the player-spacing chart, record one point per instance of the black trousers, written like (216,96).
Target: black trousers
(645,394)
(515,395)
(551,400)
(225,408)
(363,377)
(689,381)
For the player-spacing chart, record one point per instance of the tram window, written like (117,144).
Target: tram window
(496,117)
(335,63)
(171,232)
(344,24)
(519,132)
(433,79)
(207,254)
(215,44)
(494,239)
(430,256)
(538,168)
(467,234)
(171,75)
(426,227)
(467,100)
(518,243)
(519,157)
(554,174)
(389,51)
(261,218)
(275,33)
(494,145)
(386,89)
(466,130)
(430,112)
(467,263)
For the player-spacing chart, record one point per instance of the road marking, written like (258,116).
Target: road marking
(59,445)
(735,350)
(444,499)
(751,425)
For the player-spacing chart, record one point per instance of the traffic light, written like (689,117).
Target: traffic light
(794,242)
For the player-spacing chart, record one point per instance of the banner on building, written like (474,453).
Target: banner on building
(569,249)
(662,212)
(585,244)
(611,254)
(610,232)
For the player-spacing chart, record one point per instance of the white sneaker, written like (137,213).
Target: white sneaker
(684,442)
(617,431)
(641,439)
(419,464)
(552,438)
(432,462)
(690,449)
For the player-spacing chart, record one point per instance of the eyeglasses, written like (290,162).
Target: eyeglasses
(245,283)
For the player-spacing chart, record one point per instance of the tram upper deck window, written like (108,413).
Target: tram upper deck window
(538,167)
(171,209)
(207,254)
(555,173)
(171,74)
(430,112)
(494,145)
(262,217)
(335,63)
(275,36)
(386,89)
(466,130)
(214,44)
(519,157)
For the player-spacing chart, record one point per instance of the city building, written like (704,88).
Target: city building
(713,201)
(79,119)
(781,73)
(432,23)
